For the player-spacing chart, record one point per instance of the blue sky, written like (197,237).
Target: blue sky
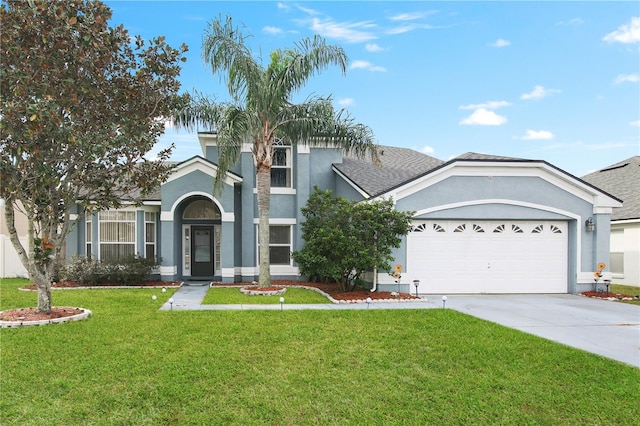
(556,81)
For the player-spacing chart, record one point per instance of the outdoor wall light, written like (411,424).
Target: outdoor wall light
(589,225)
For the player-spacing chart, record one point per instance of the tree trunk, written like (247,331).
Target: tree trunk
(41,278)
(263,177)
(44,295)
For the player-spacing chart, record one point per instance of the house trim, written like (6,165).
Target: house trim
(168,216)
(571,185)
(198,163)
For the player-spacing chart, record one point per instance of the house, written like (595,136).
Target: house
(483,224)
(10,264)
(623,181)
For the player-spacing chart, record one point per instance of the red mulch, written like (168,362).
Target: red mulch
(32,314)
(607,295)
(332,290)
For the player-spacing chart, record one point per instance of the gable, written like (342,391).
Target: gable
(515,178)
(202,165)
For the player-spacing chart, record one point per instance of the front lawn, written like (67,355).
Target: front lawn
(232,295)
(626,289)
(133,364)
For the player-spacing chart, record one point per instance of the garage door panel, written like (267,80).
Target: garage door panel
(488,256)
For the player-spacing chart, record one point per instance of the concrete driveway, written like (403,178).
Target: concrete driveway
(602,327)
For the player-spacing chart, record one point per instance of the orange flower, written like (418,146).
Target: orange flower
(397,268)
(46,245)
(601,266)
(396,275)
(597,274)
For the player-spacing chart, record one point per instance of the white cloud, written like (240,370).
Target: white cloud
(372,47)
(306,10)
(484,117)
(574,21)
(272,30)
(635,123)
(500,43)
(625,33)
(632,78)
(351,32)
(539,92)
(283,6)
(345,102)
(366,65)
(408,16)
(486,105)
(427,149)
(532,135)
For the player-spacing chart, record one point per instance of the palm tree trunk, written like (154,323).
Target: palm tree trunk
(263,177)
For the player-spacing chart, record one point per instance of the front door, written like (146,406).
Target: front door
(202,249)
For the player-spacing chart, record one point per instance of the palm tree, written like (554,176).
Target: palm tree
(261,111)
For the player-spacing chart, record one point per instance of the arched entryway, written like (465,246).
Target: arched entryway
(201,236)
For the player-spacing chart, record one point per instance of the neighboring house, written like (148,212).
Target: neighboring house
(483,224)
(623,181)
(10,264)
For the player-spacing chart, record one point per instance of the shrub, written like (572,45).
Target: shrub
(345,239)
(128,271)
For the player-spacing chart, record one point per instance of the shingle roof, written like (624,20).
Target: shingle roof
(399,165)
(479,156)
(621,180)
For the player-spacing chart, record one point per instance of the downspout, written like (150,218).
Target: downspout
(375,280)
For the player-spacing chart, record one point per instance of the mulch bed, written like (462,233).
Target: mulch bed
(32,314)
(607,295)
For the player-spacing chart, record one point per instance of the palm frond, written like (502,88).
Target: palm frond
(200,113)
(224,48)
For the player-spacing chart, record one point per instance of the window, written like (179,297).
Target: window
(617,262)
(87,233)
(280,244)
(150,235)
(281,166)
(117,234)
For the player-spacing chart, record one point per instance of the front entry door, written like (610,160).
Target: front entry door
(202,248)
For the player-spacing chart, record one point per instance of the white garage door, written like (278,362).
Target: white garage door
(488,256)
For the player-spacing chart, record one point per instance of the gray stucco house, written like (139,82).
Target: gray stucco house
(483,224)
(622,179)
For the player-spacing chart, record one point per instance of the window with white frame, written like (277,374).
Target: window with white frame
(281,166)
(280,244)
(150,235)
(117,234)
(88,233)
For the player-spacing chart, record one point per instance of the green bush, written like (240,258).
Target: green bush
(345,239)
(128,271)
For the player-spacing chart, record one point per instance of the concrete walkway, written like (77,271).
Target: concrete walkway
(601,327)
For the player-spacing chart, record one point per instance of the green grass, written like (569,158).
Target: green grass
(133,364)
(626,289)
(226,295)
